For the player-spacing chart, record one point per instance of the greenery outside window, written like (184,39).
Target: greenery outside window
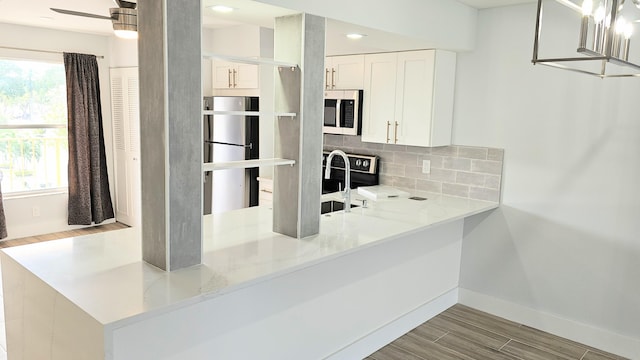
(33,126)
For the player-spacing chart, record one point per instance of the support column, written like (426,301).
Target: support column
(169,55)
(299,39)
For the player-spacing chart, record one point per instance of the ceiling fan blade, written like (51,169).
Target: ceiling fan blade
(78,13)
(126,4)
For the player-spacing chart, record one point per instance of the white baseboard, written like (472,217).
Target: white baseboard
(573,330)
(393,330)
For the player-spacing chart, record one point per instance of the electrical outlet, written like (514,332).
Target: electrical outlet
(426,166)
(36,211)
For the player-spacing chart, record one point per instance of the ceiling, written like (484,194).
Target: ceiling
(37,13)
(485,4)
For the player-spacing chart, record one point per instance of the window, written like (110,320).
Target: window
(33,126)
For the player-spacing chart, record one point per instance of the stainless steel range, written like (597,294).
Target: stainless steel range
(364,172)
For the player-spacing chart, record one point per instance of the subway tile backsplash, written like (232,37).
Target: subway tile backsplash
(463,171)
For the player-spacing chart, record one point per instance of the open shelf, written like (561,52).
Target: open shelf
(245,60)
(244,164)
(247,113)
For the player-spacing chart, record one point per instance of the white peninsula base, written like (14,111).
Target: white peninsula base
(92,298)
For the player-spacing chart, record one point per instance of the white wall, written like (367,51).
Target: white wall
(565,240)
(123,52)
(53,208)
(207,76)
(267,101)
(240,40)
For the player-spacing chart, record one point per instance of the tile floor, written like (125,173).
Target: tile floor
(463,333)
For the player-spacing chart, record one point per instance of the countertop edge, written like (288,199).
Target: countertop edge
(283,272)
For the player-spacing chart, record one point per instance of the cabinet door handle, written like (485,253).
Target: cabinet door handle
(333,78)
(388,124)
(395,133)
(235,78)
(326,79)
(229,76)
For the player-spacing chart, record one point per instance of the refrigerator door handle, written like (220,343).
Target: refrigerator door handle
(250,146)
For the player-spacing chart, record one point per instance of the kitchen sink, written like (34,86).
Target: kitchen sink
(331,206)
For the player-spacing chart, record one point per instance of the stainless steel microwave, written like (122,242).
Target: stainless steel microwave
(343,112)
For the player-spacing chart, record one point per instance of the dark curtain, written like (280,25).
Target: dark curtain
(89,198)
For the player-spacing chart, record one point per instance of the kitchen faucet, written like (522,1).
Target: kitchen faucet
(346,193)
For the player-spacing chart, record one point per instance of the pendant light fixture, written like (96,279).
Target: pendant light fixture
(588,36)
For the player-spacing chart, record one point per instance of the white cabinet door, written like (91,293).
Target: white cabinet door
(126,138)
(344,72)
(426,82)
(234,76)
(246,77)
(422,98)
(414,98)
(222,75)
(379,97)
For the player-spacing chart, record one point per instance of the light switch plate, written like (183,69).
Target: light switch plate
(426,166)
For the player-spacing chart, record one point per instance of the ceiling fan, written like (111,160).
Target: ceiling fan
(124,18)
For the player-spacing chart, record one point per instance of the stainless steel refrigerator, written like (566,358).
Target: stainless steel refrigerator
(230,137)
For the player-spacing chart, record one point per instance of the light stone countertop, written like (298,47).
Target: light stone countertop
(104,275)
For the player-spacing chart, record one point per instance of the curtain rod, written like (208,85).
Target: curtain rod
(42,51)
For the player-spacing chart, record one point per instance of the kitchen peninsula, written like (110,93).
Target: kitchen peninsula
(340,286)
(93,297)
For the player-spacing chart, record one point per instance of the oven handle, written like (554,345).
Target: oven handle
(370,172)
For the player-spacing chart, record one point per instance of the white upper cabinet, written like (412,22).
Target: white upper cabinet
(344,72)
(227,75)
(379,97)
(408,98)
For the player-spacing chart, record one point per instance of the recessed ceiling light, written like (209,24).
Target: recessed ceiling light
(355,36)
(222,8)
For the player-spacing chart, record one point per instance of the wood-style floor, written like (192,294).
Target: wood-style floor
(463,333)
(63,234)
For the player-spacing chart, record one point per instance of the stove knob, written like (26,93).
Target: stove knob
(365,163)
(358,162)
